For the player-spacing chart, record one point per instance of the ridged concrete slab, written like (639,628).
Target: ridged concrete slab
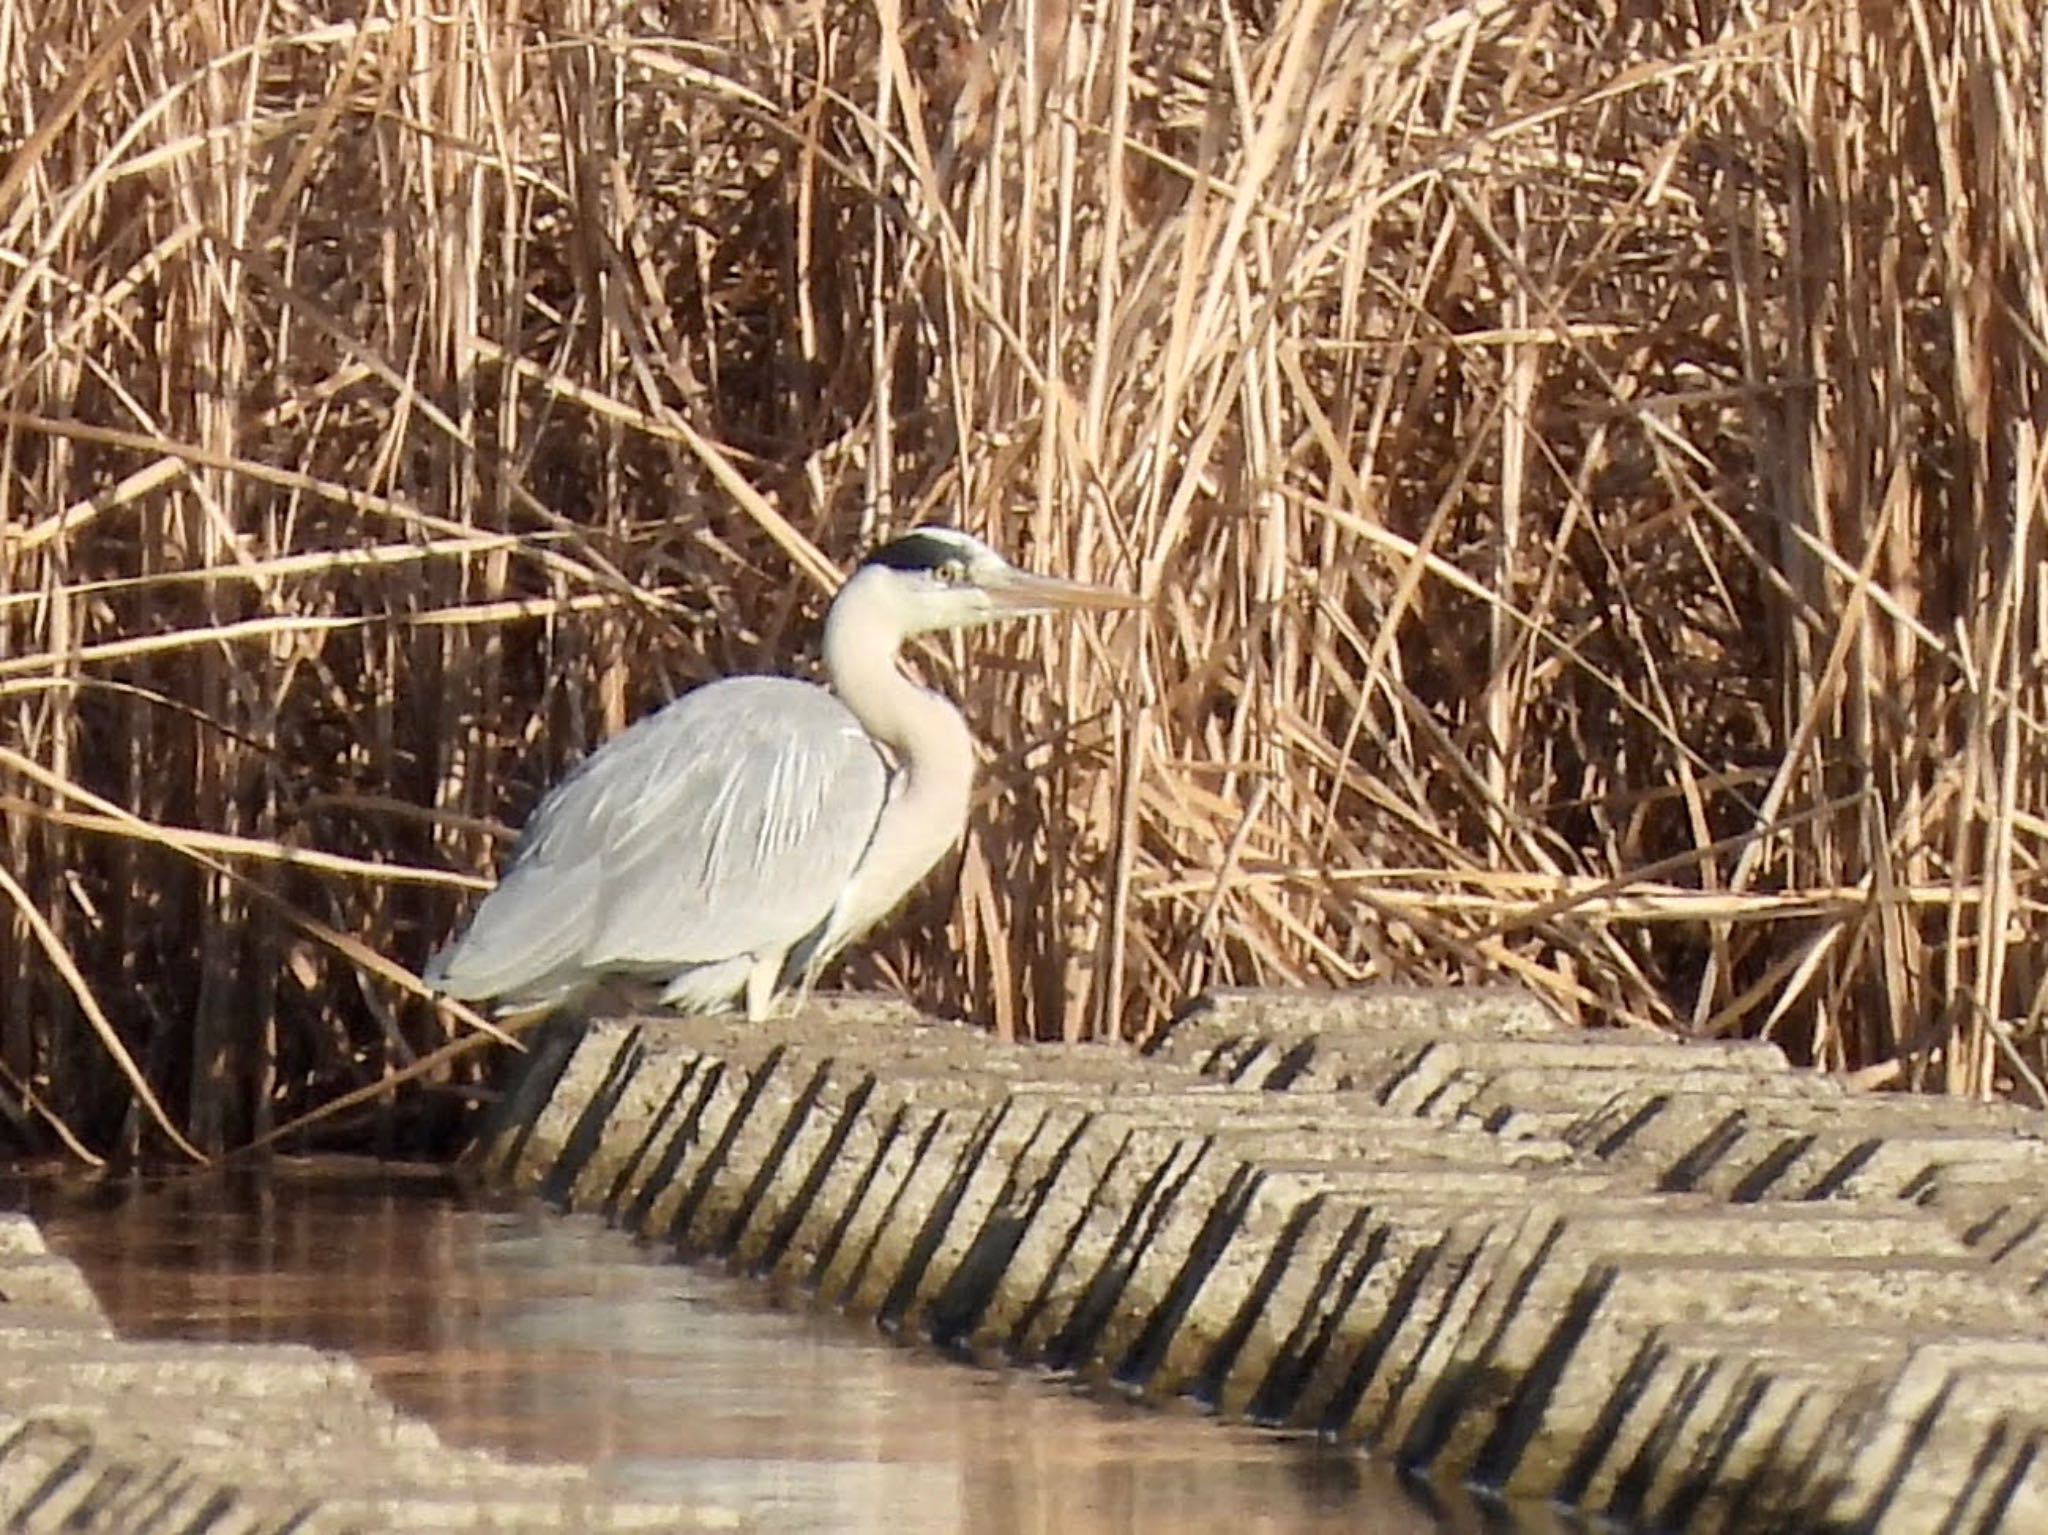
(1681,1286)
(102,1436)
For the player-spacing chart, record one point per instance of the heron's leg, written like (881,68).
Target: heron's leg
(800,998)
(761,986)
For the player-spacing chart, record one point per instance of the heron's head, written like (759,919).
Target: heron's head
(936,578)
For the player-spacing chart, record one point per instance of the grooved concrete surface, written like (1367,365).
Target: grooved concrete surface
(1682,1286)
(105,1436)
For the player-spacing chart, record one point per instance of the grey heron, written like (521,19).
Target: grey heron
(730,844)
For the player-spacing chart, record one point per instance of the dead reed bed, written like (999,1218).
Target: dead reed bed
(1589,460)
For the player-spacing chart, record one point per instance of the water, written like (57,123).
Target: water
(543,1337)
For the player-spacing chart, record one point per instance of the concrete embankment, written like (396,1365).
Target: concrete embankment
(105,1436)
(1683,1286)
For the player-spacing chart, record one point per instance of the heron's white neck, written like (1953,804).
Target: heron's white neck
(927,808)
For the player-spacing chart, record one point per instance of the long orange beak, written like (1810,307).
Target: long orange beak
(1019,592)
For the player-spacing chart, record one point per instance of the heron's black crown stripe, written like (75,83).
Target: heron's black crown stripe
(926,549)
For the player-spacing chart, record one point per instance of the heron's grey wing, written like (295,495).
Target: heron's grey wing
(755,824)
(724,824)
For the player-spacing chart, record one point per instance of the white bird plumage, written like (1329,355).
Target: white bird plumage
(730,844)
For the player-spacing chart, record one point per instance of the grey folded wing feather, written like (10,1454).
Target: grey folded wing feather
(725,824)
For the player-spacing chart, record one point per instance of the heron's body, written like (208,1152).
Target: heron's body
(730,844)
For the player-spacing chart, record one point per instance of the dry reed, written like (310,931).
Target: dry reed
(1589,460)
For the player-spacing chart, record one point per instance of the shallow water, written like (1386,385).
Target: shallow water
(546,1337)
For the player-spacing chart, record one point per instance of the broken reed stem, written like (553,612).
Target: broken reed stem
(1587,463)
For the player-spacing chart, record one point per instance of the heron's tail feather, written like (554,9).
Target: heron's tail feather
(523,946)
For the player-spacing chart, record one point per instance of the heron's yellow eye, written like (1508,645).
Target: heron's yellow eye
(952,573)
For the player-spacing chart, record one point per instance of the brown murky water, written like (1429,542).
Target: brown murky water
(544,1337)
